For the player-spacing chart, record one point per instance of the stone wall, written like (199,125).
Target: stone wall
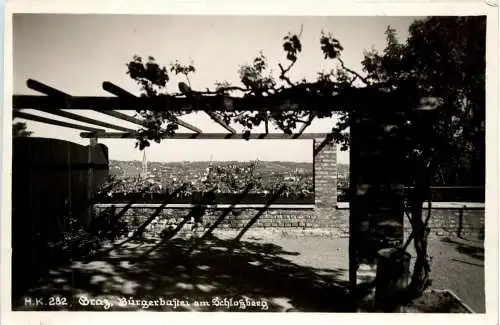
(299,222)
(446,222)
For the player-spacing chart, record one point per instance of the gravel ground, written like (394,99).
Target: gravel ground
(454,268)
(293,263)
(455,265)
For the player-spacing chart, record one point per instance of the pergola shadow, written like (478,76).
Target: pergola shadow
(259,272)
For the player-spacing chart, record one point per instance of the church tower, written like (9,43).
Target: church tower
(144,172)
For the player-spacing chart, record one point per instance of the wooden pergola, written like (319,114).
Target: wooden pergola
(53,101)
(363,139)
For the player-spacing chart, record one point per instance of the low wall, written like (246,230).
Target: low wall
(467,223)
(445,221)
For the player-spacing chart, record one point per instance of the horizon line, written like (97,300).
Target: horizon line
(242,161)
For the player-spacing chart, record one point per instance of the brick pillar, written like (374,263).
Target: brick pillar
(376,192)
(325,180)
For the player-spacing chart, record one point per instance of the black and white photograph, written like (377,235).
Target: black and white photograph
(249,163)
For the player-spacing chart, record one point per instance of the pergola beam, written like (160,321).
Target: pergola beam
(120,92)
(121,116)
(221,122)
(35,118)
(211,136)
(84,119)
(358,98)
(50,91)
(45,89)
(100,103)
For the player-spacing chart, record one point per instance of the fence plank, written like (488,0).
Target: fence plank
(48,184)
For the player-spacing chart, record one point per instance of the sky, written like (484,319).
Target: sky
(76,53)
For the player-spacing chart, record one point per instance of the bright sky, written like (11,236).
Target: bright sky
(76,53)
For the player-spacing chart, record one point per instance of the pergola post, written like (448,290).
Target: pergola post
(90,178)
(376,191)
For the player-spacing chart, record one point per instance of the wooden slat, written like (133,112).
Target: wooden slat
(45,89)
(40,119)
(121,116)
(50,91)
(221,122)
(214,136)
(84,119)
(120,92)
(116,90)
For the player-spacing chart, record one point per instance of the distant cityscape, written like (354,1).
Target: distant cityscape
(188,171)
(192,171)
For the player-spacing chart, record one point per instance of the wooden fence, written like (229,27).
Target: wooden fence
(51,180)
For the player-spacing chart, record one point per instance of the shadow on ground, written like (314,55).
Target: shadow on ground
(472,249)
(258,276)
